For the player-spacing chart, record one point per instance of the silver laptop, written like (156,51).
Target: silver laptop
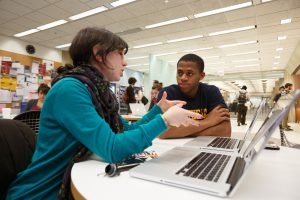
(137,109)
(212,172)
(225,143)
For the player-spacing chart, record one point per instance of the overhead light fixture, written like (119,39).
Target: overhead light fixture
(276,63)
(286,21)
(185,38)
(238,44)
(88,13)
(139,57)
(279,49)
(134,65)
(199,49)
(63,46)
(167,22)
(274,67)
(147,45)
(276,57)
(165,54)
(252,65)
(225,9)
(26,32)
(208,57)
(52,24)
(232,30)
(247,60)
(120,2)
(281,37)
(244,53)
(264,1)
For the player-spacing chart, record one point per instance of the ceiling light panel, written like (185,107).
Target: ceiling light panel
(167,22)
(31,31)
(52,24)
(286,21)
(237,44)
(232,30)
(63,46)
(89,13)
(222,10)
(121,2)
(146,45)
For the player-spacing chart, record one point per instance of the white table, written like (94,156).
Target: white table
(274,175)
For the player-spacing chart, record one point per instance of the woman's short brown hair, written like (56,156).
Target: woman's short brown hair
(81,49)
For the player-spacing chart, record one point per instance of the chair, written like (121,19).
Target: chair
(17,144)
(31,118)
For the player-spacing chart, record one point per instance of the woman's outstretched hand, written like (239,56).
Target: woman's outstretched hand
(165,104)
(177,116)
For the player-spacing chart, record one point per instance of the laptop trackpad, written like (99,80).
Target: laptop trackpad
(176,155)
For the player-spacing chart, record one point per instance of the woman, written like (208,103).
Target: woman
(37,104)
(80,116)
(129,93)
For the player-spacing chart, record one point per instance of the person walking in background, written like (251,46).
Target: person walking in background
(154,93)
(129,93)
(278,95)
(241,107)
(201,98)
(80,116)
(37,104)
(285,96)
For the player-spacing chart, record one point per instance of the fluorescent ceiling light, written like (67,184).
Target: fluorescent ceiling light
(264,1)
(252,65)
(164,54)
(277,57)
(281,37)
(215,63)
(244,53)
(52,24)
(167,22)
(185,38)
(63,46)
(211,57)
(134,65)
(276,63)
(88,13)
(26,32)
(147,45)
(120,2)
(237,44)
(279,49)
(286,21)
(232,30)
(274,67)
(139,57)
(247,60)
(225,9)
(199,49)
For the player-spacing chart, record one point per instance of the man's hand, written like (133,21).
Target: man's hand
(165,104)
(218,115)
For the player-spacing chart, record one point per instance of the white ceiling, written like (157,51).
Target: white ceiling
(256,70)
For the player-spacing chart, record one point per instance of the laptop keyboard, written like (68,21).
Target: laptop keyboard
(207,166)
(223,142)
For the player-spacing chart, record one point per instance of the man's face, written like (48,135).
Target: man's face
(188,77)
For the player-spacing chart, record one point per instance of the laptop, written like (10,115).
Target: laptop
(225,143)
(203,170)
(137,109)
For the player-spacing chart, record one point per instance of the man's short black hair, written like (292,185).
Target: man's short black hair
(288,85)
(131,80)
(193,58)
(244,87)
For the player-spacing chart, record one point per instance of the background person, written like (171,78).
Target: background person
(242,108)
(80,116)
(154,93)
(201,98)
(37,104)
(129,93)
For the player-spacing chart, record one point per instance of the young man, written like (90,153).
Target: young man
(241,107)
(201,98)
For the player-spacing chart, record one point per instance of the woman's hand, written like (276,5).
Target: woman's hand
(177,116)
(165,104)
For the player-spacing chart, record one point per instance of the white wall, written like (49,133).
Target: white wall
(131,73)
(18,46)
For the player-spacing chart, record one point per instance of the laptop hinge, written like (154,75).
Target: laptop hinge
(236,171)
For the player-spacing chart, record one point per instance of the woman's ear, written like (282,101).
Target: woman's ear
(96,54)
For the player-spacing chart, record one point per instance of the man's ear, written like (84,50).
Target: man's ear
(202,75)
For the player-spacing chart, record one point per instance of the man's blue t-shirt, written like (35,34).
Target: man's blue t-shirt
(206,99)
